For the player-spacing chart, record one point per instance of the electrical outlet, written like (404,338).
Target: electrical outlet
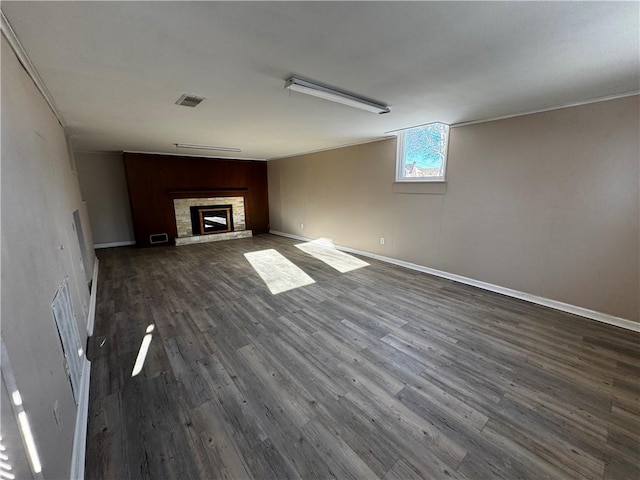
(302,226)
(381,240)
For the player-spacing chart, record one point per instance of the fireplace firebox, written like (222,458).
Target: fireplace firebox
(208,219)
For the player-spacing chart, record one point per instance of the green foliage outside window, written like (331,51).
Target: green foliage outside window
(423,152)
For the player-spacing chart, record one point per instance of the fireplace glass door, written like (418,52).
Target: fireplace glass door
(211,219)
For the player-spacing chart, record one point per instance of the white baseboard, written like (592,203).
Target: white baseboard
(92,303)
(82,420)
(547,302)
(114,244)
(295,237)
(82,415)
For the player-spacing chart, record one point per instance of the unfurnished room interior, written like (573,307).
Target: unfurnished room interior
(320,240)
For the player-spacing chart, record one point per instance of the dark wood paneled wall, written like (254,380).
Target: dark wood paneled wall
(154,180)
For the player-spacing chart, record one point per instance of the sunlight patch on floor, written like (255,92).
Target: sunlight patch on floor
(324,250)
(278,273)
(142,353)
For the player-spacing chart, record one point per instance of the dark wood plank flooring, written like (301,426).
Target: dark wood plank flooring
(381,372)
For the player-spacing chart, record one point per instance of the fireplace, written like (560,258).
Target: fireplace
(208,219)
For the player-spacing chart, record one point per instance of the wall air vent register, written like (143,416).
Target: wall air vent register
(158,238)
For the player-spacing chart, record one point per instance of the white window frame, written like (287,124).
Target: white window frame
(400,159)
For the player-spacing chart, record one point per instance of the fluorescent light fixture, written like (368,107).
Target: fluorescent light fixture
(206,147)
(301,85)
(17,398)
(32,451)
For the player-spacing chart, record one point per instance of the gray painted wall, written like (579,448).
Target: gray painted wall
(104,187)
(39,194)
(547,204)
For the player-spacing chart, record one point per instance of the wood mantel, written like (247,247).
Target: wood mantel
(203,193)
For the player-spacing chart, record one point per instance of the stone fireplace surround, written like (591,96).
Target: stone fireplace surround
(182,211)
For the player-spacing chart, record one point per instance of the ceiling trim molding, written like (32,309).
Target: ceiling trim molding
(99,152)
(197,156)
(549,109)
(379,139)
(24,59)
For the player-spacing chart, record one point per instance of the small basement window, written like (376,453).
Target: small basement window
(422,153)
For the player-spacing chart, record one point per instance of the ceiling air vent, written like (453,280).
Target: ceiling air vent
(188,100)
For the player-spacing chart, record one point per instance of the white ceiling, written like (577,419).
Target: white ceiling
(115,69)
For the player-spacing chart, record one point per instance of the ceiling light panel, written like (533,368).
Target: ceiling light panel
(206,147)
(319,90)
